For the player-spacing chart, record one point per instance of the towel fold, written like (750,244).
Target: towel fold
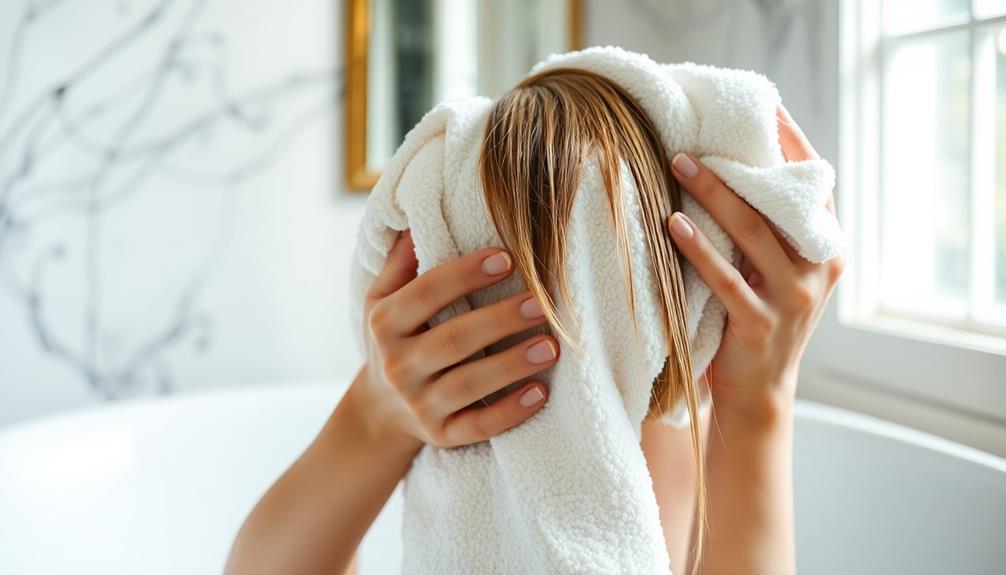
(568,491)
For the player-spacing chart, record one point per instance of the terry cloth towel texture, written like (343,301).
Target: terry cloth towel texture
(568,491)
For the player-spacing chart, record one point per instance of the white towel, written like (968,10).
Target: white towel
(569,491)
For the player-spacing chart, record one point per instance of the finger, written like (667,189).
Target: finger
(479,423)
(794,143)
(419,300)
(803,266)
(459,337)
(794,256)
(739,220)
(721,277)
(472,381)
(399,268)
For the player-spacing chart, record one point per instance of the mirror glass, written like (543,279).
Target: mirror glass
(421,52)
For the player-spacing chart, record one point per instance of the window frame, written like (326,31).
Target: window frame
(940,364)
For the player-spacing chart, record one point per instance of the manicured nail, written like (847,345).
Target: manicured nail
(531,309)
(496,264)
(541,352)
(531,397)
(680,226)
(684,164)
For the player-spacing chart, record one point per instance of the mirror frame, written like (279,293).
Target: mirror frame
(359,177)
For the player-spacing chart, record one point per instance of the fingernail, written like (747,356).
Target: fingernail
(684,165)
(496,264)
(531,397)
(531,309)
(680,227)
(541,352)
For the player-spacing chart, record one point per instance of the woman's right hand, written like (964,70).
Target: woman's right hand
(774,301)
(415,389)
(416,386)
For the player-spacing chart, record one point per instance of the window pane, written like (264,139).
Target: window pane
(906,15)
(1000,163)
(989,8)
(925,230)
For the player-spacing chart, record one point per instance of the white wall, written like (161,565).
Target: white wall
(794,43)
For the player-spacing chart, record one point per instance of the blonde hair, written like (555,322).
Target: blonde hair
(537,139)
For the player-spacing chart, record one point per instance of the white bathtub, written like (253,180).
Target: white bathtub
(161,486)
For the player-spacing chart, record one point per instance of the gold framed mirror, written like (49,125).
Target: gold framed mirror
(404,56)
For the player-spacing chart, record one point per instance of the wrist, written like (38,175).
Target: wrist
(372,422)
(763,409)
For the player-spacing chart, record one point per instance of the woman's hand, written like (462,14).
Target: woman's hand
(416,386)
(773,302)
(414,389)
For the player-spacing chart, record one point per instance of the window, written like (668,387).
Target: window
(919,331)
(925,137)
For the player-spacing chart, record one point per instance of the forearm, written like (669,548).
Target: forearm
(773,302)
(314,516)
(750,493)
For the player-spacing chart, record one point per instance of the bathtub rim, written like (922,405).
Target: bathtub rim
(332,391)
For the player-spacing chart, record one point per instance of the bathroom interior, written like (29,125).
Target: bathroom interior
(181,184)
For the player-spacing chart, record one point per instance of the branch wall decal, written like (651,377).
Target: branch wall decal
(113,123)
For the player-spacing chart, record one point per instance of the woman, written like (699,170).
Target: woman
(313,518)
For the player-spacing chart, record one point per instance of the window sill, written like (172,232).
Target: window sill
(886,367)
(873,399)
(927,331)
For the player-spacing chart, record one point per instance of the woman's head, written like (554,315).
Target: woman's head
(538,139)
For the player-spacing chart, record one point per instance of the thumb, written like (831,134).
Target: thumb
(399,268)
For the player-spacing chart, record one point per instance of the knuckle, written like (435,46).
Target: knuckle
(501,317)
(426,293)
(471,279)
(438,438)
(703,250)
(377,321)
(803,299)
(422,408)
(464,383)
(476,429)
(396,372)
(764,326)
(759,330)
(731,284)
(451,341)
(509,366)
(751,225)
(836,267)
(513,366)
(709,187)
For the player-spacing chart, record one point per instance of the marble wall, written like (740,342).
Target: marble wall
(171,214)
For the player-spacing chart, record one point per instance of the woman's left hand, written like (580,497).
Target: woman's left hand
(773,302)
